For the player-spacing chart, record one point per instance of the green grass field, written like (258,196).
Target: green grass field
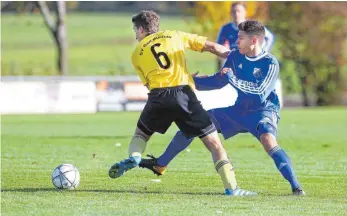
(32,146)
(99,44)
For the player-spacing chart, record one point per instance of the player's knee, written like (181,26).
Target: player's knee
(266,126)
(212,141)
(267,138)
(139,133)
(268,141)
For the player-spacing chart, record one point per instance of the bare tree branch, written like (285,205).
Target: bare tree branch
(61,37)
(47,16)
(58,32)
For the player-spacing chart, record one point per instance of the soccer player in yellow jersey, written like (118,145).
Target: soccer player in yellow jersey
(160,63)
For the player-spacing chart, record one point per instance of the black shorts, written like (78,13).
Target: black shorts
(175,104)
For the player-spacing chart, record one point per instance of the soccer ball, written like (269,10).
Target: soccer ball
(66,176)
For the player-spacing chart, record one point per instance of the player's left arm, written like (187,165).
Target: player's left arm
(268,40)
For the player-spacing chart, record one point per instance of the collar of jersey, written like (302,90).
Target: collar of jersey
(234,26)
(256,58)
(147,38)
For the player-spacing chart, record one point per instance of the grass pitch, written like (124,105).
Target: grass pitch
(32,146)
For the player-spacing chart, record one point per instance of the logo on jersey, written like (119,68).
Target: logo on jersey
(141,52)
(238,83)
(240,66)
(257,73)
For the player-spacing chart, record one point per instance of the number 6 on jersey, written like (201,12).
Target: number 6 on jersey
(157,57)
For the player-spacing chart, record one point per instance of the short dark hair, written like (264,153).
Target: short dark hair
(148,20)
(252,27)
(237,3)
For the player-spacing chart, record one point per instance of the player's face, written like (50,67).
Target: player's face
(139,32)
(245,43)
(238,13)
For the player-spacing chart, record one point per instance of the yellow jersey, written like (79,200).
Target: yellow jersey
(159,58)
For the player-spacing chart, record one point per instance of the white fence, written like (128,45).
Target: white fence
(44,95)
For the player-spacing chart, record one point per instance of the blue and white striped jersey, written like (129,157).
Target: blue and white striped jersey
(254,78)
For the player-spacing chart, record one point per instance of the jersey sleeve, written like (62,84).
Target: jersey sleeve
(267,83)
(139,71)
(268,40)
(192,41)
(216,81)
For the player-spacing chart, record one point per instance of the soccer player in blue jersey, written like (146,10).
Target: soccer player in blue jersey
(228,33)
(253,73)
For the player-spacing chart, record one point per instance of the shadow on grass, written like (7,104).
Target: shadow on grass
(33,190)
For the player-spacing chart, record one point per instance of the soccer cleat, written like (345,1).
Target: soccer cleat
(152,164)
(118,169)
(239,192)
(298,192)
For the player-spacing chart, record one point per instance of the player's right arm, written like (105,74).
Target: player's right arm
(201,44)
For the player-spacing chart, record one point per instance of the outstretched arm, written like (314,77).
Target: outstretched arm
(201,44)
(216,81)
(217,49)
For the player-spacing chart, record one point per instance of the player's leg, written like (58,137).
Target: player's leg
(281,159)
(223,166)
(138,143)
(224,124)
(181,142)
(136,147)
(195,121)
(266,132)
(154,118)
(158,165)
(178,144)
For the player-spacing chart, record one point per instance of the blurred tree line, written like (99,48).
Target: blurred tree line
(95,6)
(310,42)
(310,36)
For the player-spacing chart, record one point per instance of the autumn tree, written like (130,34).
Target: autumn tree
(313,34)
(210,16)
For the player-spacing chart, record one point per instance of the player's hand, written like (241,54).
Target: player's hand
(196,75)
(224,71)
